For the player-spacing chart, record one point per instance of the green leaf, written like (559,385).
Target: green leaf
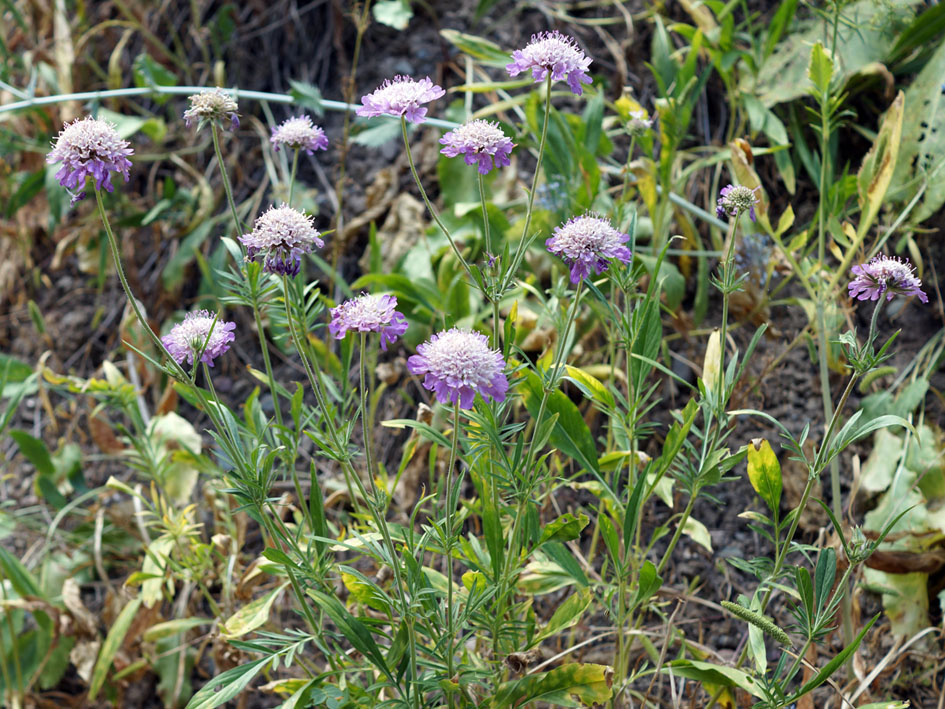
(649,583)
(567,614)
(484,50)
(764,472)
(21,579)
(714,674)
(308,96)
(698,532)
(113,641)
(393,13)
(356,632)
(35,451)
(226,686)
(173,627)
(833,665)
(251,616)
(563,529)
(586,683)
(820,68)
(633,510)
(570,434)
(148,72)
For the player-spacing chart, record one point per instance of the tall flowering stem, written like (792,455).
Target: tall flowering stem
(426,200)
(214,131)
(295,167)
(494,295)
(452,497)
(351,475)
(520,249)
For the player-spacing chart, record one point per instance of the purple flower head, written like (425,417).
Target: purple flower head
(298,133)
(554,52)
(587,243)
(369,313)
(89,147)
(479,142)
(457,364)
(885,275)
(735,200)
(279,238)
(188,337)
(400,96)
(212,105)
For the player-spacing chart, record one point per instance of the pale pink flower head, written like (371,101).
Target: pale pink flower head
(298,133)
(458,364)
(554,52)
(479,142)
(89,147)
(212,105)
(279,238)
(400,96)
(369,313)
(588,243)
(735,200)
(199,333)
(885,275)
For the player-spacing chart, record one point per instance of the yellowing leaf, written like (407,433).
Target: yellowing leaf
(586,683)
(695,530)
(764,472)
(711,364)
(878,167)
(251,616)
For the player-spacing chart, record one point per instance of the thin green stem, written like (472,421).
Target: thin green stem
(450,504)
(426,201)
(214,131)
(264,348)
(520,249)
(295,167)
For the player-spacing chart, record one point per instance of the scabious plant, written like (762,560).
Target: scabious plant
(213,105)
(299,133)
(89,147)
(458,364)
(369,313)
(199,334)
(885,276)
(735,200)
(279,238)
(400,96)
(556,53)
(588,243)
(479,142)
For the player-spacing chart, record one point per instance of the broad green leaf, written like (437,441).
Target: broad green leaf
(698,532)
(226,686)
(35,451)
(585,683)
(251,616)
(922,149)
(393,13)
(714,674)
(590,385)
(21,579)
(878,166)
(563,529)
(484,50)
(820,68)
(649,583)
(567,614)
(764,472)
(570,434)
(113,641)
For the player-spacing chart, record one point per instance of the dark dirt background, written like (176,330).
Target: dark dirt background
(312,42)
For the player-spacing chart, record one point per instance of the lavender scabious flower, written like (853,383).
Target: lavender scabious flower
(400,96)
(885,275)
(735,200)
(212,105)
(279,238)
(89,147)
(457,364)
(298,133)
(554,52)
(586,243)
(479,142)
(639,124)
(369,313)
(187,338)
